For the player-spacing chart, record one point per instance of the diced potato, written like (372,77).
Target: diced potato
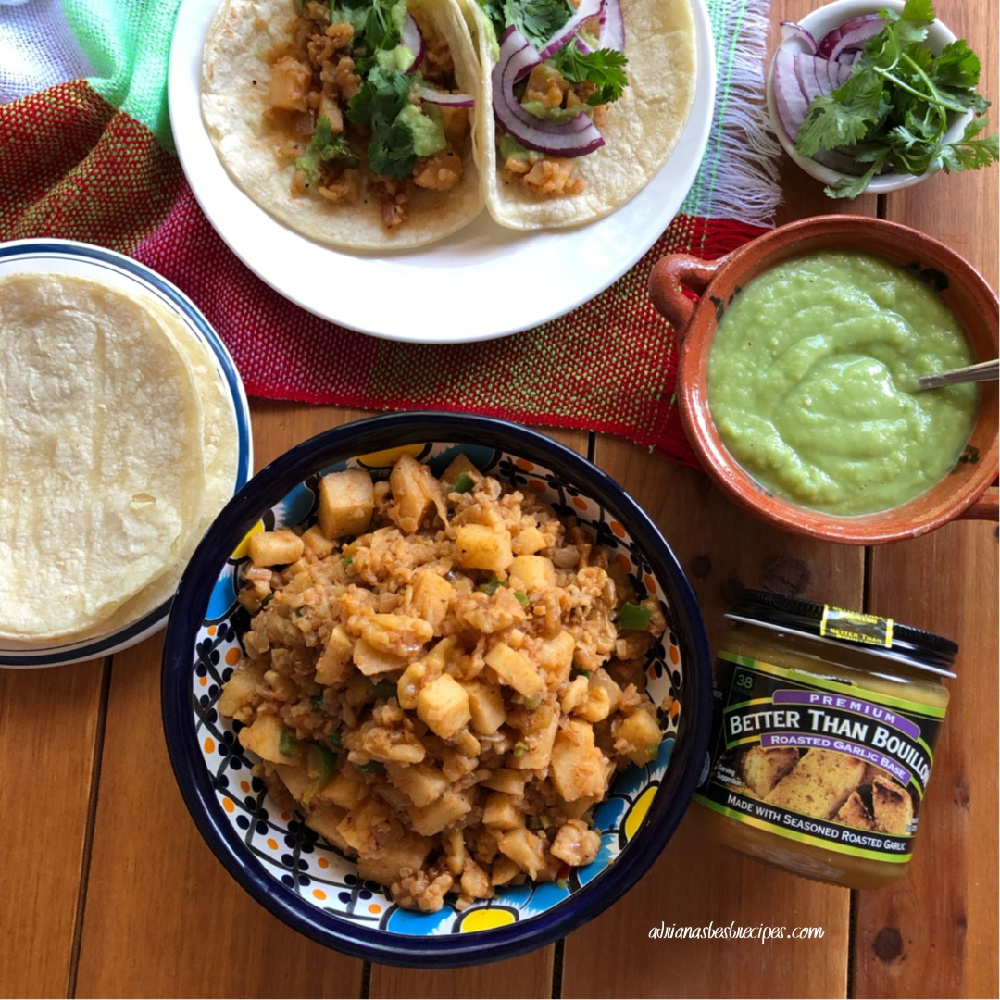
(346,501)
(361,825)
(444,705)
(528,541)
(316,542)
(638,737)
(575,694)
(372,661)
(515,670)
(534,573)
(525,849)
(325,819)
(408,850)
(264,738)
(289,85)
(478,546)
(243,690)
(275,548)
(539,739)
(343,789)
(504,870)
(431,598)
(421,783)
(439,815)
(578,767)
(334,663)
(502,813)
(414,489)
(507,781)
(486,705)
(555,657)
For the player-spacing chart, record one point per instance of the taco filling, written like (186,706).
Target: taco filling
(350,120)
(559,66)
(367,85)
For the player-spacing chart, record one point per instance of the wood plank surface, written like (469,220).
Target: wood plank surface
(49,722)
(935,933)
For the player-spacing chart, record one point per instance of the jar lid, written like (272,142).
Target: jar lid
(882,636)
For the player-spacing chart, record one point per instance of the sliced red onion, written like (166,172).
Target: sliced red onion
(586,10)
(789,99)
(413,40)
(613,27)
(574,137)
(851,35)
(790,31)
(446,100)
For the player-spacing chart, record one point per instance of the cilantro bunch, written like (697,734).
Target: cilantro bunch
(894,110)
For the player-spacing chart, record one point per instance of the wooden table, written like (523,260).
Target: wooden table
(108,890)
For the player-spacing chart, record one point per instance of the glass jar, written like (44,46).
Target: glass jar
(823,739)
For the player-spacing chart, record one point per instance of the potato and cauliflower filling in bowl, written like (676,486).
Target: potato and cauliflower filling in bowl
(435,689)
(444,676)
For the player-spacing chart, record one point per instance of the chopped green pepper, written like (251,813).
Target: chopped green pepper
(634,617)
(288,745)
(463,484)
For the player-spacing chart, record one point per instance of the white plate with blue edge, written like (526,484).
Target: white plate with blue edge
(482,282)
(121,272)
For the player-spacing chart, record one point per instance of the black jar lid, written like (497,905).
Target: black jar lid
(881,636)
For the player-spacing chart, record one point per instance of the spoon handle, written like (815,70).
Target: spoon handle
(987,371)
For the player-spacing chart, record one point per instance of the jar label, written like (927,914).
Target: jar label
(854,626)
(819,760)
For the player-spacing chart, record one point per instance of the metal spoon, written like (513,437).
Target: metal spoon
(986,371)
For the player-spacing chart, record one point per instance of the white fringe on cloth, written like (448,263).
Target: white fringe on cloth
(739,174)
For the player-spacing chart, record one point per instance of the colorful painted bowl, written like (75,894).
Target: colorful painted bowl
(818,23)
(292,871)
(676,278)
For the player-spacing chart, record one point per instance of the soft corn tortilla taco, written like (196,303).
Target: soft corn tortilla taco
(348,135)
(539,187)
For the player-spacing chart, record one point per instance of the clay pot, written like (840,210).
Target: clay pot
(962,493)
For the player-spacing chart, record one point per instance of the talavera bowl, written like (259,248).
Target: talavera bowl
(292,871)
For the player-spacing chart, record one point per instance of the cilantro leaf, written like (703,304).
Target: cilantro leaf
(538,20)
(377,105)
(605,68)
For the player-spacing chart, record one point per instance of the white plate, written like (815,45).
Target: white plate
(484,281)
(68,257)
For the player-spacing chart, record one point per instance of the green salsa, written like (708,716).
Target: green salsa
(812,383)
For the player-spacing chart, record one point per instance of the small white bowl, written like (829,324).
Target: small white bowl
(818,23)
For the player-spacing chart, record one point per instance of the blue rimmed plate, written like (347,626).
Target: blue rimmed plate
(123,273)
(291,870)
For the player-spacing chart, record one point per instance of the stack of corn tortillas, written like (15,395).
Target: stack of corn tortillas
(118,447)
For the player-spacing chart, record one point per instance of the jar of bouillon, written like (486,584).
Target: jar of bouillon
(823,739)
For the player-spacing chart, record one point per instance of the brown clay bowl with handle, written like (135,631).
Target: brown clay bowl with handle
(692,294)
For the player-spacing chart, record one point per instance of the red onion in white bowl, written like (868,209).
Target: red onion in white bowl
(851,22)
